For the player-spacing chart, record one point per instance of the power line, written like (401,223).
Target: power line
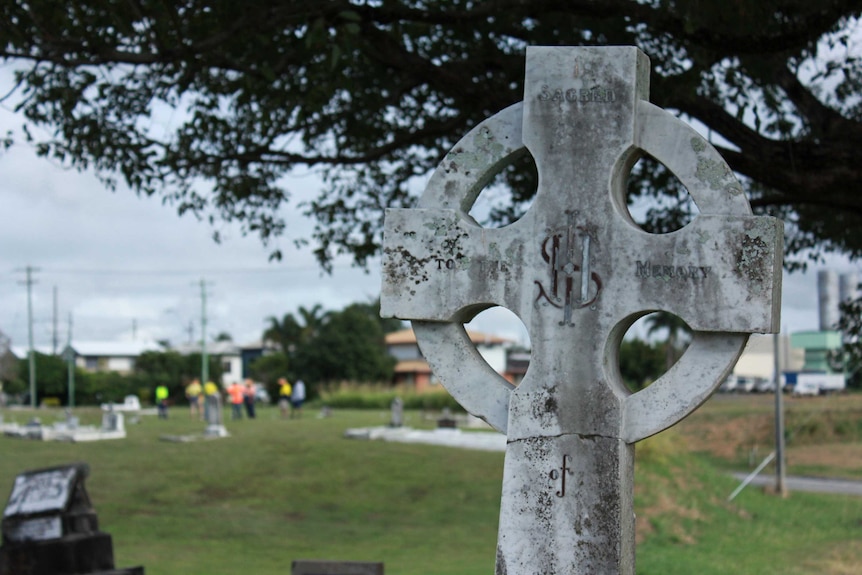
(188,272)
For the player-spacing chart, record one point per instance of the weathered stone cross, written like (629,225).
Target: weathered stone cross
(578,272)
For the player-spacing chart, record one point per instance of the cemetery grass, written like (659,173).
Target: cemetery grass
(279,490)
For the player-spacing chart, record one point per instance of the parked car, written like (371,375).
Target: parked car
(764,385)
(745,384)
(261,395)
(728,385)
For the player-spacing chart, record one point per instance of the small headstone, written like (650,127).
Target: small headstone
(50,528)
(72,422)
(307,567)
(446,420)
(113,421)
(397,417)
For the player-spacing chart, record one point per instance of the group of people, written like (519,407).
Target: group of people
(197,394)
(290,397)
(241,395)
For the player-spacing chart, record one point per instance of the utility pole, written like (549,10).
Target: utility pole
(55,339)
(191,331)
(70,357)
(29,270)
(780,484)
(205,364)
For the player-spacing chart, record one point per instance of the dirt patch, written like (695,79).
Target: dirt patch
(844,558)
(845,456)
(727,437)
(736,427)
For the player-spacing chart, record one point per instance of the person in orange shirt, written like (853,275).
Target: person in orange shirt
(236,393)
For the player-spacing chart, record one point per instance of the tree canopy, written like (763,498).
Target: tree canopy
(210,104)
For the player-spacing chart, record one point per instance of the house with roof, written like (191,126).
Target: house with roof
(235,359)
(413,372)
(117,356)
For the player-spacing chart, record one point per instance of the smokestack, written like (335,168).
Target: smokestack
(848,287)
(827,291)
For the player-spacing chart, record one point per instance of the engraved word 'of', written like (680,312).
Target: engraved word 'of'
(559,474)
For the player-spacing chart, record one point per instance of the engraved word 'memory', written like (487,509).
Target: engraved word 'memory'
(695,273)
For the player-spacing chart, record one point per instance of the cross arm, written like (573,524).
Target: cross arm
(719,273)
(436,264)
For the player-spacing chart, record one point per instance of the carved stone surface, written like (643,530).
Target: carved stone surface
(578,272)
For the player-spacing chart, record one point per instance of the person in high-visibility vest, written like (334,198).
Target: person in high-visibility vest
(211,402)
(210,388)
(237,394)
(284,391)
(162,401)
(194,393)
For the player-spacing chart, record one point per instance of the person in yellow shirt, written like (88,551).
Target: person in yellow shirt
(284,391)
(210,388)
(211,399)
(194,393)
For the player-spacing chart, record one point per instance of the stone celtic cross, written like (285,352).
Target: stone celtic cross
(578,272)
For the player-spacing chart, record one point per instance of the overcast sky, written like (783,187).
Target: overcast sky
(87,241)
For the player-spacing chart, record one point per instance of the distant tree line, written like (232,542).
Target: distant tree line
(323,348)
(152,368)
(327,347)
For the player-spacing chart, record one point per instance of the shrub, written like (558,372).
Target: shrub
(380,396)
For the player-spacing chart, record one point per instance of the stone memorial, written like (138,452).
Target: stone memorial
(396,418)
(446,421)
(50,528)
(113,421)
(213,415)
(578,271)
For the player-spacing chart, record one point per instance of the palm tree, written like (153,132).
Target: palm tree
(285,334)
(289,333)
(312,320)
(678,334)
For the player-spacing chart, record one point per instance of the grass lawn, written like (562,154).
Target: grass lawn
(279,490)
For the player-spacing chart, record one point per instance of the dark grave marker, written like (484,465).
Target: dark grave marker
(49,527)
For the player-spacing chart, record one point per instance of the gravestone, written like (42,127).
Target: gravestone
(397,412)
(113,421)
(314,567)
(579,272)
(446,421)
(213,417)
(50,528)
(72,421)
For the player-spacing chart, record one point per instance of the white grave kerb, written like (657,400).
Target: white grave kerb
(579,272)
